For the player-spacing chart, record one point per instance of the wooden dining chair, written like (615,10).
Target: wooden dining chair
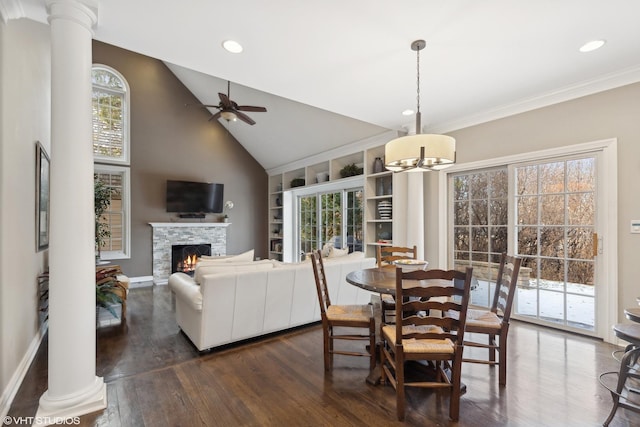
(420,335)
(385,256)
(352,316)
(494,321)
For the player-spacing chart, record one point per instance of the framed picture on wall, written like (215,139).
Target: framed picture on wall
(42,198)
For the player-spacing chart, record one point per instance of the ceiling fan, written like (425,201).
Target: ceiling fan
(230,110)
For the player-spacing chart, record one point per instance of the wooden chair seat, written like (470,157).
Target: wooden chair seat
(350,313)
(413,345)
(481,320)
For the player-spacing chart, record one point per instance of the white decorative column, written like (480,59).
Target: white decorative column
(74,388)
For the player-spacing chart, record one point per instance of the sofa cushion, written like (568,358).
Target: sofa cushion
(205,268)
(245,256)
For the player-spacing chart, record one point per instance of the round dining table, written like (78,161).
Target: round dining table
(383,280)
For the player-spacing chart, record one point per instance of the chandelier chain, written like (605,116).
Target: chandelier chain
(418,78)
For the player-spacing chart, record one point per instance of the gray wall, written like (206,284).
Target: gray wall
(169,141)
(611,114)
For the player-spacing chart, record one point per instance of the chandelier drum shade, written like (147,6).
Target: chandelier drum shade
(435,152)
(420,151)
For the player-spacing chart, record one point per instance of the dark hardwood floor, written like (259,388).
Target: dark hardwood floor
(155,377)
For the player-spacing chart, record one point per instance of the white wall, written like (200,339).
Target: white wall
(25,117)
(611,114)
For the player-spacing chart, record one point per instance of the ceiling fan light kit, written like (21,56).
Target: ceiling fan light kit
(420,151)
(230,110)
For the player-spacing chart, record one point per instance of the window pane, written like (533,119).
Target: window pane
(479,239)
(461,187)
(478,186)
(552,242)
(580,243)
(552,210)
(552,177)
(581,208)
(527,240)
(527,210)
(479,212)
(461,238)
(527,177)
(580,175)
(461,213)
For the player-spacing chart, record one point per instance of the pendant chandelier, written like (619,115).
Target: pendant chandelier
(420,151)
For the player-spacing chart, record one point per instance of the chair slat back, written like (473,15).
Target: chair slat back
(420,304)
(321,281)
(386,255)
(506,283)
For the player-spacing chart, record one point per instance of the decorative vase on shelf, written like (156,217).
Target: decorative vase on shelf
(384,209)
(379,187)
(377,165)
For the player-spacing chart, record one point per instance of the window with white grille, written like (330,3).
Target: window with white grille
(110,107)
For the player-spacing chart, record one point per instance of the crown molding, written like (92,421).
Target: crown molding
(11,9)
(578,90)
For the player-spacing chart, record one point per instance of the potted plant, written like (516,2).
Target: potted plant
(105,296)
(350,170)
(102,199)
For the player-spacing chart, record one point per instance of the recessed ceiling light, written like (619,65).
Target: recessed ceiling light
(408,112)
(232,46)
(592,45)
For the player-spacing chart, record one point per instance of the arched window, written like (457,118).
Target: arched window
(110,108)
(110,105)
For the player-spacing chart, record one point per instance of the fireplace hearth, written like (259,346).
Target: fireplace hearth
(185,257)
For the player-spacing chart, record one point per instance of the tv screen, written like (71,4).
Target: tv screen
(194,197)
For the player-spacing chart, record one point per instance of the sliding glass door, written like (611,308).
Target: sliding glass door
(543,211)
(555,219)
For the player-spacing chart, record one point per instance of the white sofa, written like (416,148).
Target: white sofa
(236,302)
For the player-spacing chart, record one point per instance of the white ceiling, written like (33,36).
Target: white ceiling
(352,58)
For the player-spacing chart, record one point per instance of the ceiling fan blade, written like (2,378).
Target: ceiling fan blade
(215,116)
(245,118)
(252,108)
(224,100)
(208,106)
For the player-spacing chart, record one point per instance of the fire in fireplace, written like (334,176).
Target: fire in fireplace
(185,257)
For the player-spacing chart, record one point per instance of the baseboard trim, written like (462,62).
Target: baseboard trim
(140,282)
(15,382)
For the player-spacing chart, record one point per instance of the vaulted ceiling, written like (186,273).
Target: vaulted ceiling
(337,71)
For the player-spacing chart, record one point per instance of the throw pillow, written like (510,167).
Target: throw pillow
(202,270)
(335,252)
(326,250)
(245,256)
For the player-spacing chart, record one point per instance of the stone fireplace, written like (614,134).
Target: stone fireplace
(166,235)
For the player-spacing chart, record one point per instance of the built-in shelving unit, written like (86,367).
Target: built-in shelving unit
(275,217)
(378,187)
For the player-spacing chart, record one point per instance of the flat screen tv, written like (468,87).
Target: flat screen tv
(194,197)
